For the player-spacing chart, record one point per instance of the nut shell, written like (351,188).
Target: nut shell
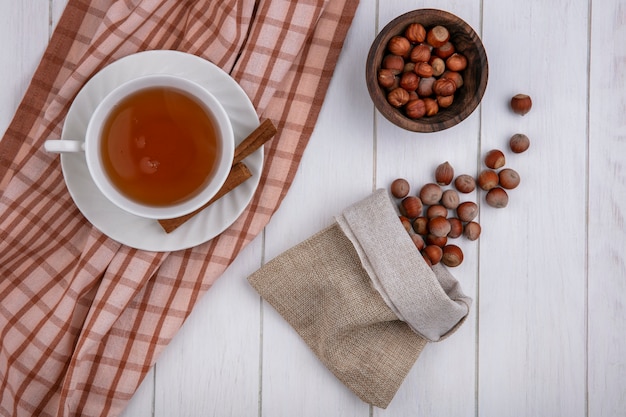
(497,197)
(452,256)
(411,206)
(465,183)
(467,211)
(439,226)
(488,179)
(472,231)
(450,199)
(519,143)
(521,104)
(434,253)
(495,159)
(400,188)
(444,173)
(431,194)
(509,178)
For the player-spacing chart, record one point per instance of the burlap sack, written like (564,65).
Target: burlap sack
(363,299)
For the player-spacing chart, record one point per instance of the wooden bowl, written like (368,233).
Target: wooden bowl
(465,41)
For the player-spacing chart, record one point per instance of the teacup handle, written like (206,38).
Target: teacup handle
(62,146)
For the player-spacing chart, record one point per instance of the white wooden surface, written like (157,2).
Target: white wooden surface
(547,331)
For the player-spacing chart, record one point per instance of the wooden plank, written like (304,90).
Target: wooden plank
(607,202)
(449,366)
(532,254)
(336,171)
(211,367)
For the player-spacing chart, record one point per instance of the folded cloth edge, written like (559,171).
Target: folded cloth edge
(429,300)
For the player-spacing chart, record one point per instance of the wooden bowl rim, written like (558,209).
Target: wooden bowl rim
(376,53)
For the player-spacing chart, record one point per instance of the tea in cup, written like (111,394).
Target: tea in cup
(158,146)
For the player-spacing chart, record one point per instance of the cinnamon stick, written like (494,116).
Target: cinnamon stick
(255,140)
(238,174)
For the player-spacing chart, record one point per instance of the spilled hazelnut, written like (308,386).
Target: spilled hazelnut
(436,210)
(521,104)
(519,143)
(400,188)
(411,206)
(487,179)
(431,194)
(495,159)
(440,241)
(497,197)
(439,226)
(467,211)
(420,225)
(509,178)
(450,199)
(465,183)
(434,253)
(418,241)
(452,256)
(456,227)
(472,230)
(444,173)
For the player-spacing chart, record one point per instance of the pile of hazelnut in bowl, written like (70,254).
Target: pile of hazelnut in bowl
(426,70)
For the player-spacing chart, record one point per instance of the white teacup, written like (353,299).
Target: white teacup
(146,147)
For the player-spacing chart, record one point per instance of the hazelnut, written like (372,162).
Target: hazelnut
(445,101)
(411,207)
(437,36)
(398,97)
(445,50)
(439,67)
(409,81)
(418,241)
(423,69)
(415,108)
(420,225)
(415,33)
(454,76)
(436,210)
(386,78)
(467,211)
(425,87)
(450,199)
(433,253)
(406,223)
(430,194)
(444,173)
(399,45)
(400,188)
(465,183)
(456,227)
(488,179)
(409,67)
(394,63)
(426,259)
(444,87)
(521,104)
(509,178)
(456,62)
(472,231)
(495,159)
(432,108)
(452,256)
(440,241)
(497,197)
(439,226)
(420,53)
(413,95)
(519,143)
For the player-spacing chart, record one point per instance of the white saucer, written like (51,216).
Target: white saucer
(139,232)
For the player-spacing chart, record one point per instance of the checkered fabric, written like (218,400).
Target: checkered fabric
(83,318)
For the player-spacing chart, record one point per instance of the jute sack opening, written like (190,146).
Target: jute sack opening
(363,299)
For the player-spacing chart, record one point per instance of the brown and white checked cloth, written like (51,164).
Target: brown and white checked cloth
(82,318)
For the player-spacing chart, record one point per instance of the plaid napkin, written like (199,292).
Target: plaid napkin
(83,318)
(363,299)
